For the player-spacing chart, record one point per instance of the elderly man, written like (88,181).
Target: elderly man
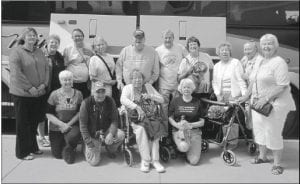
(137,56)
(170,56)
(251,56)
(99,123)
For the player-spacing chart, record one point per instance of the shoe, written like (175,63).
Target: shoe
(145,166)
(28,157)
(159,168)
(277,170)
(44,142)
(38,152)
(68,154)
(257,160)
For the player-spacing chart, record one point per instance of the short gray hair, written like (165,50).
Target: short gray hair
(65,73)
(168,31)
(137,71)
(252,43)
(98,39)
(270,37)
(54,37)
(186,81)
(224,44)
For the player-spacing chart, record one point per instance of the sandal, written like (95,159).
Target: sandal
(28,157)
(277,170)
(257,160)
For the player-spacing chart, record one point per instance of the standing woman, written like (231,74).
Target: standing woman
(198,66)
(56,63)
(101,65)
(228,83)
(29,77)
(77,58)
(270,83)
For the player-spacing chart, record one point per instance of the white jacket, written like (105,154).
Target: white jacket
(238,85)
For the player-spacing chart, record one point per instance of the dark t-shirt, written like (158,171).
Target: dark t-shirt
(192,110)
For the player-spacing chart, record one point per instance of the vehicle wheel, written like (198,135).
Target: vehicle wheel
(252,148)
(204,146)
(164,154)
(229,157)
(128,157)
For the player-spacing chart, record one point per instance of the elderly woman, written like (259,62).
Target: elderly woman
(270,83)
(56,63)
(102,66)
(29,76)
(63,114)
(198,66)
(76,58)
(185,114)
(147,131)
(228,83)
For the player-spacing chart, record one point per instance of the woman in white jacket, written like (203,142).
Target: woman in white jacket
(228,83)
(227,78)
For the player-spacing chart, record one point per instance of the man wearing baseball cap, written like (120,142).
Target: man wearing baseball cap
(137,56)
(98,119)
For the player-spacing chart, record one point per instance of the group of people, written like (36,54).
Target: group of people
(76,92)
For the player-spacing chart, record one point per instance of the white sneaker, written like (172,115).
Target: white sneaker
(159,168)
(145,166)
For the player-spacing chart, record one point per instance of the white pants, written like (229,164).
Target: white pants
(149,150)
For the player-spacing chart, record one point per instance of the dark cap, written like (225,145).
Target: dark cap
(139,34)
(98,85)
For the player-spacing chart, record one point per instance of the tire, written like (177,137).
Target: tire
(252,148)
(204,146)
(229,157)
(164,154)
(128,158)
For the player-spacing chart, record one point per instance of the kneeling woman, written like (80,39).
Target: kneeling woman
(147,130)
(185,114)
(62,112)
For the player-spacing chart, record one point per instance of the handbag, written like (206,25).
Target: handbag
(265,109)
(115,90)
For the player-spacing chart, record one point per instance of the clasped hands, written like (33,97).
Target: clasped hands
(184,125)
(38,91)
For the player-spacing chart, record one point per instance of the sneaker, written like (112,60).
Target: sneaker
(44,142)
(145,166)
(159,168)
(68,154)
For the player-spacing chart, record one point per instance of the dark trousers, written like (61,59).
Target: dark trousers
(29,111)
(59,140)
(83,88)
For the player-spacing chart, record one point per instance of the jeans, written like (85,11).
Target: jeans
(93,155)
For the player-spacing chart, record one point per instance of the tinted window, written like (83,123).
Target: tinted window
(263,13)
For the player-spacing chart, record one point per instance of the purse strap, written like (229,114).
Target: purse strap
(102,59)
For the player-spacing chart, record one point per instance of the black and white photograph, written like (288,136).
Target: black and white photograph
(149,91)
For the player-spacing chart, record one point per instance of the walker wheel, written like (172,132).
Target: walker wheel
(164,154)
(128,157)
(229,157)
(252,148)
(204,146)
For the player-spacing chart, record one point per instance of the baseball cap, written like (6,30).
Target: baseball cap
(139,34)
(98,85)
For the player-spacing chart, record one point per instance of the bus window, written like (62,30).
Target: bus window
(27,11)
(263,13)
(183,8)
